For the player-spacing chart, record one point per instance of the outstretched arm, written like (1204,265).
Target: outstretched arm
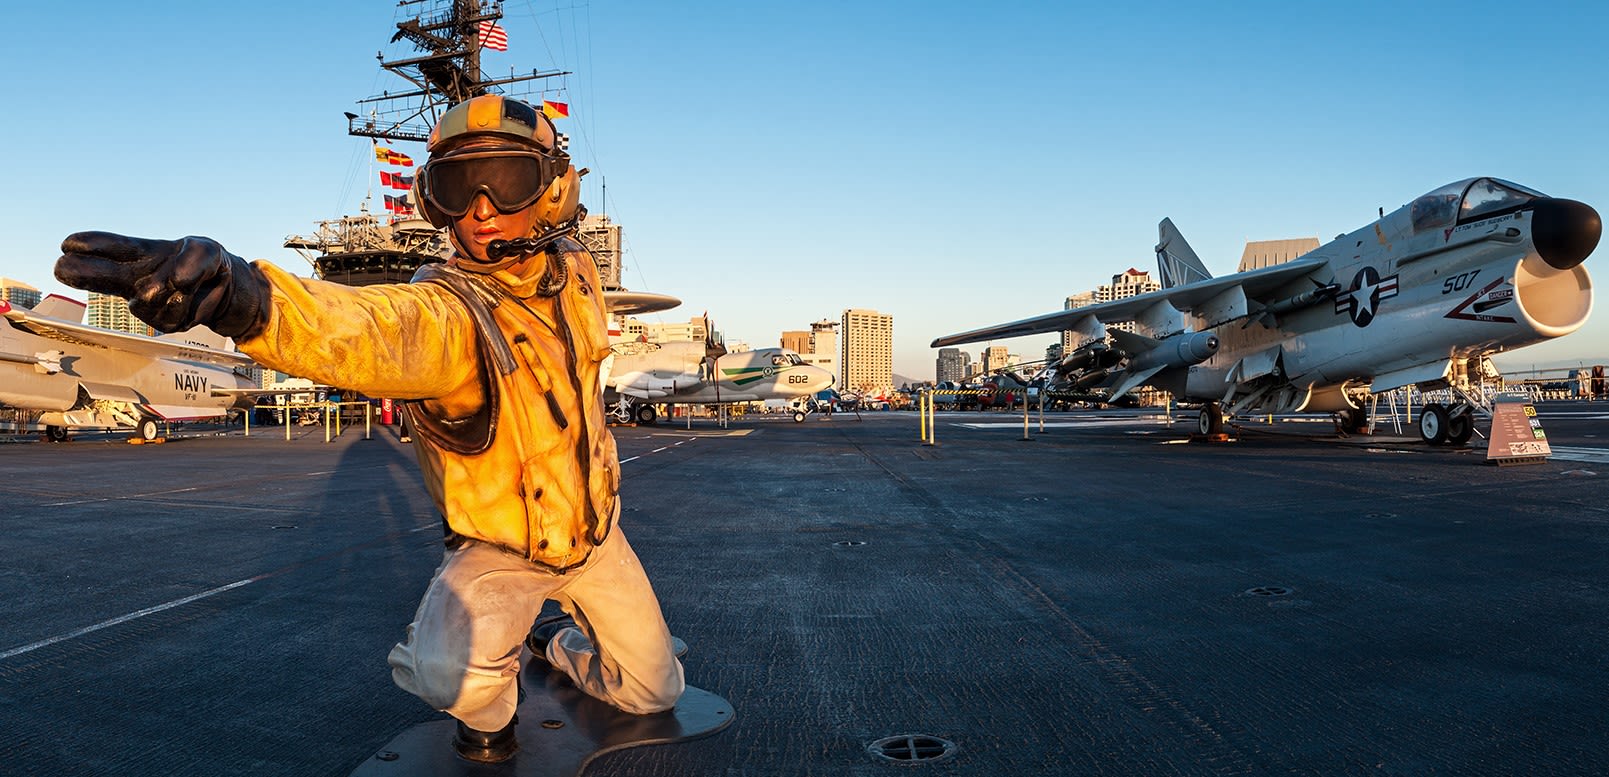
(399,341)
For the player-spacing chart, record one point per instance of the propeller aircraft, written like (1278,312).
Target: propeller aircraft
(639,375)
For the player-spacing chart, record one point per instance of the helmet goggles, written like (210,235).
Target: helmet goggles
(511,179)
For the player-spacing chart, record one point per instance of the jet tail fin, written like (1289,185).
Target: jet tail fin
(1176,262)
(61,308)
(202,336)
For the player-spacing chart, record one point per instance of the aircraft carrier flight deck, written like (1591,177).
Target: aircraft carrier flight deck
(1102,598)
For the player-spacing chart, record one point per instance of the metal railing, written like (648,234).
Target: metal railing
(328,411)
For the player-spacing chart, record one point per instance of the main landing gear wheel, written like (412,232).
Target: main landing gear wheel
(647,415)
(1433,424)
(1460,427)
(146,429)
(56,433)
(1211,419)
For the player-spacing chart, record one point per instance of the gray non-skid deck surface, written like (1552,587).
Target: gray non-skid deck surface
(1072,605)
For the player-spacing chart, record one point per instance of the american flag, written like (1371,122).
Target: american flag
(493,36)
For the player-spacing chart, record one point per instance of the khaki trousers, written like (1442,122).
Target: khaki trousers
(461,654)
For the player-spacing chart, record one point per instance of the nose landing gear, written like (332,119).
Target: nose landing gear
(1443,425)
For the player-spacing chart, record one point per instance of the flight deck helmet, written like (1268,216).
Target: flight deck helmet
(504,148)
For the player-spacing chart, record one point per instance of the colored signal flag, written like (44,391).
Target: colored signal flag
(386,155)
(398,203)
(555,110)
(396,180)
(492,36)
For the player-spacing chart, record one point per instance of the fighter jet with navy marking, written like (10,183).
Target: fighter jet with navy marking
(74,376)
(1471,269)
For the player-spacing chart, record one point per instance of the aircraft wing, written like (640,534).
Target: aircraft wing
(80,334)
(1209,295)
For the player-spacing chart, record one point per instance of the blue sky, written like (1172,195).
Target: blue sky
(952,164)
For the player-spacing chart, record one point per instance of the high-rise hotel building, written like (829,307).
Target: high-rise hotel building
(109,312)
(1130,283)
(868,351)
(951,366)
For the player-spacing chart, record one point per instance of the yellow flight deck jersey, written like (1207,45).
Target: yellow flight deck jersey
(508,416)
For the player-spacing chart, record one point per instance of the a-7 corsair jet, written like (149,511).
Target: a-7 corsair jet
(1413,299)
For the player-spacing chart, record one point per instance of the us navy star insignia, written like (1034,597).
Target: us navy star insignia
(1362,300)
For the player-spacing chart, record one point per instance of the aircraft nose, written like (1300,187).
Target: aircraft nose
(1564,231)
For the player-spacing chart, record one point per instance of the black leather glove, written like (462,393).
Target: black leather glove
(172,285)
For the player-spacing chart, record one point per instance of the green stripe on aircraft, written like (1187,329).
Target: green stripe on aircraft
(759,372)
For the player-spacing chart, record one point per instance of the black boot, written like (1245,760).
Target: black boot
(543,632)
(488,747)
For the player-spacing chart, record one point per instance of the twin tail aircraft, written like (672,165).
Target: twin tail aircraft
(1420,297)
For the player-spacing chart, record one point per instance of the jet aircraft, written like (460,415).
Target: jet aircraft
(79,376)
(1419,297)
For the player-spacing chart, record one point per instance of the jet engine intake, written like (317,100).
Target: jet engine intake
(1565,232)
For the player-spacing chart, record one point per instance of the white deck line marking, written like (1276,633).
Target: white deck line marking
(1588,455)
(17,651)
(126,496)
(656,450)
(1091,423)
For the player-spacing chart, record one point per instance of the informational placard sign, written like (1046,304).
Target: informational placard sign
(1516,435)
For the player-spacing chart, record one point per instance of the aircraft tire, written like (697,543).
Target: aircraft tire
(798,416)
(647,415)
(1460,428)
(146,429)
(1433,424)
(56,433)
(1211,420)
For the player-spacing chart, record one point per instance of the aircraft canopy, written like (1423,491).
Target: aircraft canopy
(1471,199)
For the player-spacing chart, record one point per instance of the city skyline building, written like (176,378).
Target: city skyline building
(823,346)
(950,366)
(109,312)
(1129,283)
(995,357)
(1267,253)
(18,293)
(797,340)
(867,356)
(692,330)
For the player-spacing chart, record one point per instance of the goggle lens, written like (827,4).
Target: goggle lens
(511,182)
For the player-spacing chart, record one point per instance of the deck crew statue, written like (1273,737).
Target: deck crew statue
(497,355)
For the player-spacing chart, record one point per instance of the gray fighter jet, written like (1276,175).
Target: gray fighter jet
(78,376)
(1413,299)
